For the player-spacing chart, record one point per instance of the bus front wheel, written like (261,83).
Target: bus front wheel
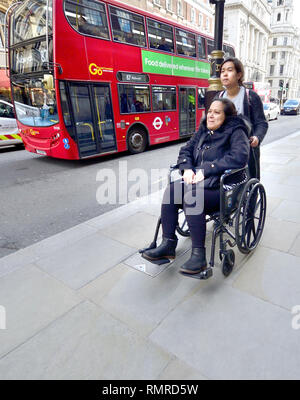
(137,140)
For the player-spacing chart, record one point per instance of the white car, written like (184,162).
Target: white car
(271,111)
(9,133)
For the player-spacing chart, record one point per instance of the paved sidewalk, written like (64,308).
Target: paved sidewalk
(83,305)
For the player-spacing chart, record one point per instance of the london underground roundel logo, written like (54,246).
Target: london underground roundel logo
(157,123)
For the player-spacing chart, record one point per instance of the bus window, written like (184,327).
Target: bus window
(210,46)
(160,36)
(134,98)
(228,50)
(35,12)
(127,27)
(201,98)
(88,18)
(32,57)
(185,43)
(35,104)
(201,47)
(164,98)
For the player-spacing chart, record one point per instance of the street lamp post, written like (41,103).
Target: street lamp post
(217,55)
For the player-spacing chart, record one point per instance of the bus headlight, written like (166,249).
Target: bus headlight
(55,137)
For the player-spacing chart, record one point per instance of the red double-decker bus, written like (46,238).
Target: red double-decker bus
(95,77)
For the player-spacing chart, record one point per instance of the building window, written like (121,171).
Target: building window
(285,40)
(271,70)
(2,30)
(281,69)
(273,55)
(283,55)
(169,5)
(157,2)
(207,24)
(193,15)
(200,21)
(279,2)
(228,50)
(179,8)
(278,17)
(270,83)
(274,41)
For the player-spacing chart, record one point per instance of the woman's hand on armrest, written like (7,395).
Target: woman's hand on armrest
(199,177)
(188,176)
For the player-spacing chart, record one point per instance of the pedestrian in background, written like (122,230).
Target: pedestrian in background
(247,103)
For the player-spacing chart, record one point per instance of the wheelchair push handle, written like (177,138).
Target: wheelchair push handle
(174,166)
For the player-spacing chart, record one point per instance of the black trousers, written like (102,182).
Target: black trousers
(254,163)
(196,203)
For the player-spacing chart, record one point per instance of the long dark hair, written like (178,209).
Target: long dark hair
(238,65)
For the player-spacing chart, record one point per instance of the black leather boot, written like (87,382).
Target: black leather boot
(166,250)
(196,263)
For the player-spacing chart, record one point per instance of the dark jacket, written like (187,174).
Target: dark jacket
(254,111)
(226,148)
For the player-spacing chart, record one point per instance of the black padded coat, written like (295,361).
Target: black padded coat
(216,151)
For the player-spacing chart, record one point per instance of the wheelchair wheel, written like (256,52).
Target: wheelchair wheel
(251,216)
(228,262)
(182,227)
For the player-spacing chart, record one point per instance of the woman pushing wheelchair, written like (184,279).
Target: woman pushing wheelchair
(221,143)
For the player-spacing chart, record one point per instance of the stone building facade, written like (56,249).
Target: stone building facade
(247,27)
(197,14)
(283,60)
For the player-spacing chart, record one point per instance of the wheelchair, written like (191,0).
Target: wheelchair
(241,217)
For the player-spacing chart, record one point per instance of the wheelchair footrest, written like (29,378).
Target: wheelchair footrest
(202,275)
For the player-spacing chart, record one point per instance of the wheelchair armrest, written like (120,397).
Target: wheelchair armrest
(173,168)
(231,189)
(231,172)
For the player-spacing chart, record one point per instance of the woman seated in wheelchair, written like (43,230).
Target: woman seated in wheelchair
(221,143)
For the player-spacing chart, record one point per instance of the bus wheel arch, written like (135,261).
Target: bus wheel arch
(137,138)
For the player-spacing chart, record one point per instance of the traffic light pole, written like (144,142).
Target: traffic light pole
(217,55)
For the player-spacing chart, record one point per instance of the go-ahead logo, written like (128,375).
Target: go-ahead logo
(157,123)
(96,70)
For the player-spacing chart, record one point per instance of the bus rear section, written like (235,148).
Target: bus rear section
(32,74)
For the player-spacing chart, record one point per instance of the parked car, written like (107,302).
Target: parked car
(291,106)
(9,134)
(271,111)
